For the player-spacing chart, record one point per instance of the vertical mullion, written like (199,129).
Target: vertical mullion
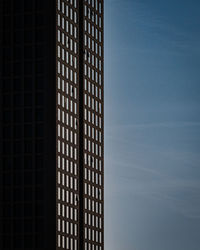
(81,129)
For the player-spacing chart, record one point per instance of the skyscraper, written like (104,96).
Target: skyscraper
(51,124)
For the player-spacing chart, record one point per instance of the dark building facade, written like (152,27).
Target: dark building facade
(51,124)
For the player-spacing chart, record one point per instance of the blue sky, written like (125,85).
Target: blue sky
(152,125)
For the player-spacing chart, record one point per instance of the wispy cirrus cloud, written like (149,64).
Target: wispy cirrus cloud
(149,24)
(181,195)
(152,139)
(166,175)
(167,124)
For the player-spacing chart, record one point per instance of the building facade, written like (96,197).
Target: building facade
(52,124)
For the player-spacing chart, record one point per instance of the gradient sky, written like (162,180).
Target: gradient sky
(152,125)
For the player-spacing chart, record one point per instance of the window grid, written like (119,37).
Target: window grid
(67,126)
(93,125)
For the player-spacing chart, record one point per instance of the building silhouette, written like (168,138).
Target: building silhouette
(51,124)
